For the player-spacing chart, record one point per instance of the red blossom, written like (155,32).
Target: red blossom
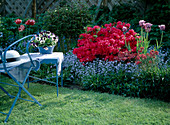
(138,62)
(96,27)
(27,22)
(147,54)
(21,28)
(150,61)
(31,22)
(119,23)
(89,29)
(119,26)
(127,25)
(156,52)
(18,21)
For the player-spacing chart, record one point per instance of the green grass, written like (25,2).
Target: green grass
(76,107)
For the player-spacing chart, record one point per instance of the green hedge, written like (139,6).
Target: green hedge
(67,22)
(156,12)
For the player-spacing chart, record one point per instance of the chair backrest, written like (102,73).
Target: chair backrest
(3,56)
(1,50)
(18,69)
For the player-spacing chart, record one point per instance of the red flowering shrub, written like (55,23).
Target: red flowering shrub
(109,43)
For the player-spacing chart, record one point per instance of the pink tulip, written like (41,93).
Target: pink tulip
(148,25)
(141,22)
(162,27)
(147,29)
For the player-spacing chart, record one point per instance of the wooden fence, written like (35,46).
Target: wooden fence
(30,8)
(24,7)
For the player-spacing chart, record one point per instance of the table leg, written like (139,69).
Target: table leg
(62,74)
(57,76)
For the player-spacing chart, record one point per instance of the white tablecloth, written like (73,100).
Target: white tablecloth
(19,72)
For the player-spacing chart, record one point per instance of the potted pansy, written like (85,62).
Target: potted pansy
(45,41)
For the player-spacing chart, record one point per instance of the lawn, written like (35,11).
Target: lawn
(82,107)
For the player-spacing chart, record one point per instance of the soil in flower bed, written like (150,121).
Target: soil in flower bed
(70,86)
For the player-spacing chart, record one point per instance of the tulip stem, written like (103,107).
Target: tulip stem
(26,31)
(161,37)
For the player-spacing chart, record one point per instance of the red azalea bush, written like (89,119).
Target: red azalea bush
(110,42)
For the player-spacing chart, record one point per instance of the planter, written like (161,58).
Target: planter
(46,50)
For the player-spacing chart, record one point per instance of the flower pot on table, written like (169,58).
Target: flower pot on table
(46,50)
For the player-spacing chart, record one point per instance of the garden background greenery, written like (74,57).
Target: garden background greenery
(117,78)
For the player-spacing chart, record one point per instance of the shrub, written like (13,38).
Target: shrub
(67,22)
(111,42)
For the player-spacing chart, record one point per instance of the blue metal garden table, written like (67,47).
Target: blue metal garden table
(20,70)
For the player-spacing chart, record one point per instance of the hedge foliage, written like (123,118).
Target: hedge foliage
(67,22)
(156,12)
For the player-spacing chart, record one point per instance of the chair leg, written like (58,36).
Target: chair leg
(28,83)
(21,86)
(30,95)
(16,98)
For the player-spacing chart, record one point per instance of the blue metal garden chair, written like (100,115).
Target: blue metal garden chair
(7,67)
(19,70)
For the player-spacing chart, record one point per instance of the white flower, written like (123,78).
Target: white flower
(42,41)
(48,33)
(52,35)
(38,38)
(57,38)
(55,41)
(44,38)
(40,35)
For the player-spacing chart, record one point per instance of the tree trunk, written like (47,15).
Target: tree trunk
(34,8)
